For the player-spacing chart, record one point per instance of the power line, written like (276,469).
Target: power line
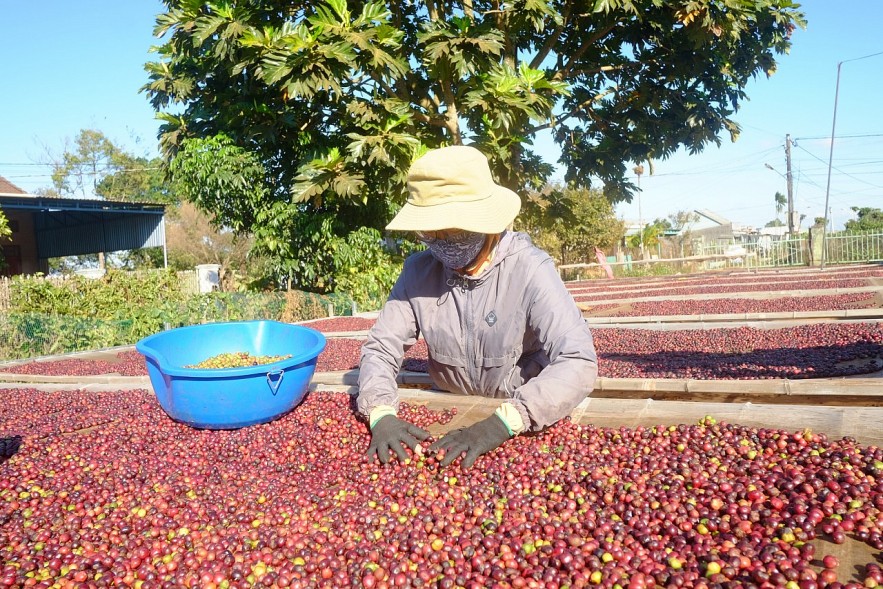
(717,171)
(106,171)
(847,174)
(839,137)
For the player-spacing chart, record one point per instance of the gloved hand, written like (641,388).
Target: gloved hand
(477,439)
(389,433)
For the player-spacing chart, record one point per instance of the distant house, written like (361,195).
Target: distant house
(44,228)
(716,229)
(780,231)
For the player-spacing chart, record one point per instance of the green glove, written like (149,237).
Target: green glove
(390,433)
(477,439)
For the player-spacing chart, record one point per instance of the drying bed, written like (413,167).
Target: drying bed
(105,490)
(789,279)
(720,289)
(717,306)
(819,350)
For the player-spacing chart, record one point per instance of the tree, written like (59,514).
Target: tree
(653,233)
(136,179)
(868,219)
(571,222)
(80,167)
(335,99)
(781,203)
(682,221)
(649,235)
(5,233)
(221,178)
(192,239)
(93,166)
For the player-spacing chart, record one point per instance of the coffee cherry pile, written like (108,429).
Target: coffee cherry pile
(624,288)
(804,351)
(819,350)
(660,291)
(808,351)
(343,354)
(721,306)
(236,360)
(126,363)
(338,324)
(122,496)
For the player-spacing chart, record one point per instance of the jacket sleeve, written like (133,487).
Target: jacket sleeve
(383,352)
(570,376)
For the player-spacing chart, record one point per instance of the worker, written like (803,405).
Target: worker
(497,319)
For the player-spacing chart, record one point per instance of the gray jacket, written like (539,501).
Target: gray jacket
(514,332)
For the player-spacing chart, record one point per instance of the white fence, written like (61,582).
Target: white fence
(845,247)
(763,253)
(840,248)
(756,252)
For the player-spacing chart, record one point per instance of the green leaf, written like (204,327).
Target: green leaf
(376,83)
(603,5)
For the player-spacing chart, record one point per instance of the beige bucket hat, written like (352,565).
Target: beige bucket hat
(452,188)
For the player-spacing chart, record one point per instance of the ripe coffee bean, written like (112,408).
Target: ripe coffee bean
(106,485)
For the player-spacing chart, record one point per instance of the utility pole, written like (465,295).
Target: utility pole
(790,185)
(638,170)
(831,152)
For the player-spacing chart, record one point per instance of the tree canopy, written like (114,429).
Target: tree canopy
(570,223)
(867,219)
(334,99)
(93,165)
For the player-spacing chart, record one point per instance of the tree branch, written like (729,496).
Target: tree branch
(427,100)
(584,46)
(389,90)
(396,9)
(510,52)
(550,41)
(420,117)
(580,107)
(603,68)
(451,117)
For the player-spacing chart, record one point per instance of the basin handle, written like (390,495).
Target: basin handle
(274,384)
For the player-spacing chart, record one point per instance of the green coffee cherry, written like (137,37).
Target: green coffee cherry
(236,360)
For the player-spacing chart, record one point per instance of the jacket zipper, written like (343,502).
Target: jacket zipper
(462,283)
(472,367)
(470,348)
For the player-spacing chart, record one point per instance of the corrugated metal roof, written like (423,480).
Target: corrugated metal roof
(70,227)
(713,216)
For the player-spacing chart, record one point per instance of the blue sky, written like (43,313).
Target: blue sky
(72,65)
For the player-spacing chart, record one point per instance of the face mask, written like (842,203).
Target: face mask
(457,254)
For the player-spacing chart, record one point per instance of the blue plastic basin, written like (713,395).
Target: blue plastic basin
(230,398)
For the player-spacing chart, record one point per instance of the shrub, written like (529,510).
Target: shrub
(59,316)
(365,269)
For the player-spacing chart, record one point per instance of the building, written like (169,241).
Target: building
(44,228)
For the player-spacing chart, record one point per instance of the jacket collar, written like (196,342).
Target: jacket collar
(510,242)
